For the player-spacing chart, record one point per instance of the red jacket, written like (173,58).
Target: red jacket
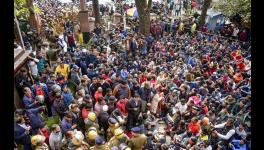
(46,133)
(122,107)
(97,95)
(194,127)
(85,113)
(205,109)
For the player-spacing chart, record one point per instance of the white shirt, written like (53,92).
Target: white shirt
(33,66)
(242,133)
(55,140)
(180,107)
(235,32)
(229,133)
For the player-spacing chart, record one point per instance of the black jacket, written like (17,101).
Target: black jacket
(20,136)
(131,105)
(103,120)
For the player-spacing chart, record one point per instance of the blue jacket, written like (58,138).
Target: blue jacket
(20,136)
(67,97)
(36,120)
(65,126)
(142,93)
(133,45)
(28,102)
(83,67)
(90,59)
(237,146)
(149,40)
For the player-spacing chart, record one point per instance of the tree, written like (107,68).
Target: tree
(206,5)
(232,7)
(96,11)
(26,9)
(143,8)
(22,10)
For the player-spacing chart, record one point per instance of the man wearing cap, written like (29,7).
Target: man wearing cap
(100,144)
(138,141)
(38,142)
(91,121)
(77,141)
(227,131)
(113,124)
(118,138)
(91,134)
(134,107)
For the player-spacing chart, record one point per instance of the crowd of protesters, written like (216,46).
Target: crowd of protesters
(174,89)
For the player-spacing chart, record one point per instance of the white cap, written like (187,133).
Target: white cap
(84,50)
(105,108)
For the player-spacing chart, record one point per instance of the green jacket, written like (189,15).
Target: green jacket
(138,142)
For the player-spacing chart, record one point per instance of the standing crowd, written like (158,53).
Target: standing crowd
(174,89)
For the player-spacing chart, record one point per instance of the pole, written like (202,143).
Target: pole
(19,32)
(124,16)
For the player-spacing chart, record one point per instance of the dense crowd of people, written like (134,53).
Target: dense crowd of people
(177,88)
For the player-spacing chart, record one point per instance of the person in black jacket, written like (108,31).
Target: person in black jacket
(59,106)
(22,132)
(22,80)
(83,66)
(134,107)
(103,120)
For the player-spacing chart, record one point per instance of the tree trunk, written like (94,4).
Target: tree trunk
(143,9)
(96,11)
(144,24)
(83,5)
(32,18)
(206,5)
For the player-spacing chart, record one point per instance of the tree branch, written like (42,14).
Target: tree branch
(149,5)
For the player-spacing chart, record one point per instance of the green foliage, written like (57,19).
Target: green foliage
(232,7)
(52,120)
(22,10)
